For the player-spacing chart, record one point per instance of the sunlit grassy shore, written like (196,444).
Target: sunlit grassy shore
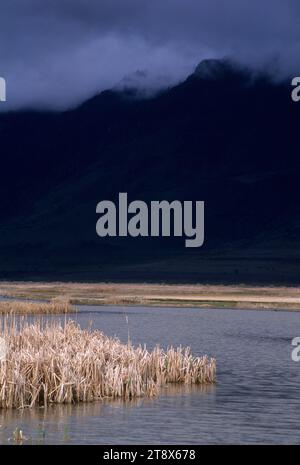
(47,362)
(207,296)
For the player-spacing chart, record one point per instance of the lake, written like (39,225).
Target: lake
(256,398)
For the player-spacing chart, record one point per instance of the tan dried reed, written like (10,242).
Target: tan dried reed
(51,362)
(21,307)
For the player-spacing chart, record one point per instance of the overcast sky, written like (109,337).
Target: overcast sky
(56,53)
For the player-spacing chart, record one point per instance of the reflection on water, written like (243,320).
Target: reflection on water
(256,399)
(55,422)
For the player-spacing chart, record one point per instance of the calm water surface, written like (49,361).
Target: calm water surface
(256,398)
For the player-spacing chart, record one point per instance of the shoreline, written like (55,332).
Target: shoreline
(159,295)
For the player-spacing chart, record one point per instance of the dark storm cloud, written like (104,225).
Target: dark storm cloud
(56,53)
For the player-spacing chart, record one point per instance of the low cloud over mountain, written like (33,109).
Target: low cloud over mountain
(57,53)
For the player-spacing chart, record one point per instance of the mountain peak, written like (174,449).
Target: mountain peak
(215,68)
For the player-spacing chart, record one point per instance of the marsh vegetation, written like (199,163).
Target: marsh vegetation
(19,307)
(50,362)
